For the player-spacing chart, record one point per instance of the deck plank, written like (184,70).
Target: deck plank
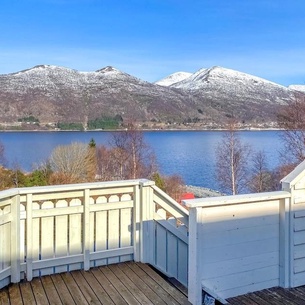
(153,284)
(15,294)
(237,301)
(73,288)
(97,288)
(272,296)
(39,292)
(130,285)
(27,293)
(50,290)
(171,290)
(108,287)
(141,284)
(285,294)
(4,298)
(85,288)
(256,298)
(300,292)
(62,289)
(121,288)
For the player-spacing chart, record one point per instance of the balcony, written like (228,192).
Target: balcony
(225,246)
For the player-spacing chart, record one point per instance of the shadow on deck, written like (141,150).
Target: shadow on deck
(125,283)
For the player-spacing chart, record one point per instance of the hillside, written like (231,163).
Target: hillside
(46,96)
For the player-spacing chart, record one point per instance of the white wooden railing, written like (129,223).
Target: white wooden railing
(245,243)
(46,230)
(226,245)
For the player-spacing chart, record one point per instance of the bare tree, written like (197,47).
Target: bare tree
(291,118)
(174,186)
(2,155)
(16,171)
(71,163)
(232,161)
(262,178)
(107,165)
(134,156)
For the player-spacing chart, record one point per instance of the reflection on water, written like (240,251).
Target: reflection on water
(190,154)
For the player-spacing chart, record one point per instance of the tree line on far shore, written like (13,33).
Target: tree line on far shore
(239,169)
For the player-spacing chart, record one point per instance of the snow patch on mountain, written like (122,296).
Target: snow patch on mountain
(219,75)
(173,78)
(300,88)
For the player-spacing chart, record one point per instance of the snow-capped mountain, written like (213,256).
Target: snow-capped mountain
(57,94)
(173,78)
(238,94)
(48,77)
(224,79)
(210,96)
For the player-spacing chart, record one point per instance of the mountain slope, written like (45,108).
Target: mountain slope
(206,98)
(56,94)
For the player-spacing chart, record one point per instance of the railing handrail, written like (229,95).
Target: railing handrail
(73,187)
(172,205)
(170,201)
(236,199)
(8,193)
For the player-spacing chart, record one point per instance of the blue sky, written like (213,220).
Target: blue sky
(151,39)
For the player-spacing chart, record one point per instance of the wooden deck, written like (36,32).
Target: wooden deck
(125,283)
(273,296)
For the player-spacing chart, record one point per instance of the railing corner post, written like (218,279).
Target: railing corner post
(194,281)
(86,230)
(147,225)
(29,237)
(284,245)
(15,239)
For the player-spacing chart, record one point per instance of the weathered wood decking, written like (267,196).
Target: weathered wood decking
(273,296)
(125,283)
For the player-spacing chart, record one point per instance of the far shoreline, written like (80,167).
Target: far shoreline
(144,130)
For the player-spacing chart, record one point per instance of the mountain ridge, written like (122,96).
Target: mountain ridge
(205,99)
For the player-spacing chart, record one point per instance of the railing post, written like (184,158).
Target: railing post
(86,229)
(147,224)
(194,282)
(285,260)
(29,237)
(15,239)
(136,224)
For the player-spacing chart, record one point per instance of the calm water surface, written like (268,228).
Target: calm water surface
(191,154)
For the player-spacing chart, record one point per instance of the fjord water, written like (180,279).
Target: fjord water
(190,154)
